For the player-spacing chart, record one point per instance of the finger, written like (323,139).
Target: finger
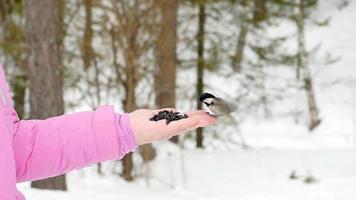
(204,118)
(196,112)
(205,121)
(183,125)
(189,124)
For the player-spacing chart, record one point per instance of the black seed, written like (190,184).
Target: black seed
(169,116)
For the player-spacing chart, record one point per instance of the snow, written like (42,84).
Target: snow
(244,175)
(278,145)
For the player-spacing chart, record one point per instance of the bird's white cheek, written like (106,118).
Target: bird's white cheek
(206,108)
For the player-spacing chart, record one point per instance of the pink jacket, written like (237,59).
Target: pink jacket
(36,149)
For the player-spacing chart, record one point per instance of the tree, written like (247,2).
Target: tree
(165,75)
(260,11)
(13,45)
(200,64)
(132,34)
(302,58)
(244,22)
(88,54)
(44,20)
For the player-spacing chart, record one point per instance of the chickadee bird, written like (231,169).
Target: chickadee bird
(217,106)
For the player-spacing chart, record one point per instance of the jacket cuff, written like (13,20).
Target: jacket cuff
(126,138)
(105,132)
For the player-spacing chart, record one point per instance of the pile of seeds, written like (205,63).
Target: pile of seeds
(168,116)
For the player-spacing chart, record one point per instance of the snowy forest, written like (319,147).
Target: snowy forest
(287,65)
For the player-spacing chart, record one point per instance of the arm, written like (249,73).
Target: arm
(45,148)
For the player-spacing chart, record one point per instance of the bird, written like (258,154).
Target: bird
(217,106)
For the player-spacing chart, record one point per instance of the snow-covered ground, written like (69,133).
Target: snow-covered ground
(243,175)
(279,146)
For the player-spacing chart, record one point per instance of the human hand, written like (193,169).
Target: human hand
(146,131)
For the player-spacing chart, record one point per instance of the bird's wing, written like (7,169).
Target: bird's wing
(231,106)
(221,106)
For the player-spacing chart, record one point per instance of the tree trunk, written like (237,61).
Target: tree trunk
(303,67)
(201,64)
(260,11)
(130,99)
(87,49)
(44,20)
(19,88)
(14,37)
(131,58)
(126,34)
(165,76)
(237,59)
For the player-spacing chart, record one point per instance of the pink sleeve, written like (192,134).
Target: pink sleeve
(46,148)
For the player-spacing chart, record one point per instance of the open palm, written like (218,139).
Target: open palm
(147,131)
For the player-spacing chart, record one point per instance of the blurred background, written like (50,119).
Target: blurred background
(288,65)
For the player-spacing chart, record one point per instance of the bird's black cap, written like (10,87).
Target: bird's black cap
(205,96)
